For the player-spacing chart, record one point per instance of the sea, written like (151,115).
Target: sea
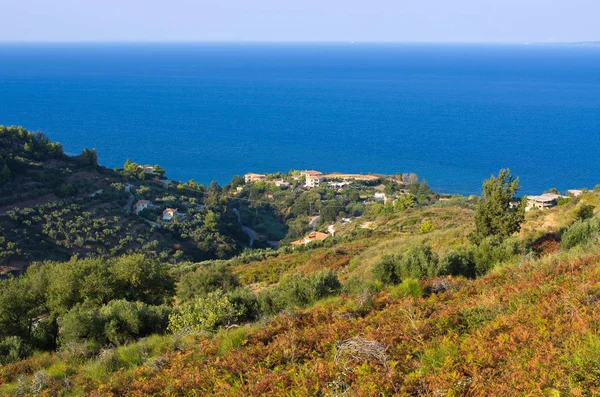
(452,113)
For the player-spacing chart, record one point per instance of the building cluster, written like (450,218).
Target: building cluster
(312,179)
(168,213)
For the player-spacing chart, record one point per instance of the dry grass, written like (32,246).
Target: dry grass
(360,349)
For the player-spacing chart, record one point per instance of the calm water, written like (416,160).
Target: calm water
(453,114)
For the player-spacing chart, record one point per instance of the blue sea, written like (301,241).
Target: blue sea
(453,114)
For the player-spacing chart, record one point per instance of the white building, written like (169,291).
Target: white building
(141,205)
(545,201)
(338,185)
(251,177)
(379,197)
(313,180)
(282,183)
(574,192)
(148,169)
(169,214)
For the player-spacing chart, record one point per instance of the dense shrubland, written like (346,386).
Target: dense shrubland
(416,297)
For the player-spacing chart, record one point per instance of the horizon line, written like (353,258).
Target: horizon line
(192,41)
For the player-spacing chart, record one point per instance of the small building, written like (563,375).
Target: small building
(169,214)
(148,169)
(141,205)
(574,192)
(166,183)
(282,183)
(338,185)
(379,197)
(251,177)
(313,180)
(545,201)
(309,238)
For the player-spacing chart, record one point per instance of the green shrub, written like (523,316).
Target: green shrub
(491,252)
(204,313)
(584,212)
(427,227)
(233,339)
(204,280)
(385,270)
(299,291)
(418,262)
(460,262)
(245,303)
(117,322)
(12,349)
(408,287)
(580,232)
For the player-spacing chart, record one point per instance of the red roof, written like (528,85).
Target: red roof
(312,173)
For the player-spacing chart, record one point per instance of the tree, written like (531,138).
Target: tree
(88,158)
(159,171)
(494,216)
(584,212)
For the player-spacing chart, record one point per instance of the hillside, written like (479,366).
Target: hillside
(54,206)
(415,294)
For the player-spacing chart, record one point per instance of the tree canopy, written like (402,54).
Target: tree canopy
(495,216)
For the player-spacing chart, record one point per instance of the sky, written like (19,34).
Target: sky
(301,20)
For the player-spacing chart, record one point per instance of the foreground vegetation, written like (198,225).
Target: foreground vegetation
(425,295)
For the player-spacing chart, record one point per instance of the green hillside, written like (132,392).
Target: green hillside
(419,294)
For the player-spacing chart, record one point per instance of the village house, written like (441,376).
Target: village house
(251,177)
(313,180)
(338,185)
(169,214)
(282,183)
(545,201)
(309,238)
(166,183)
(380,197)
(148,169)
(141,205)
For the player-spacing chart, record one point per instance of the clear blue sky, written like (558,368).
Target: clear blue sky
(301,20)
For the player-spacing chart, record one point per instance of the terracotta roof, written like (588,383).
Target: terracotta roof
(170,210)
(310,237)
(311,173)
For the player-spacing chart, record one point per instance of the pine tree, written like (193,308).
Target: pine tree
(494,216)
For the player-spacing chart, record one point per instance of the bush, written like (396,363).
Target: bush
(580,232)
(586,211)
(299,291)
(205,280)
(12,349)
(204,313)
(427,227)
(66,190)
(418,262)
(245,303)
(408,287)
(118,322)
(491,252)
(460,262)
